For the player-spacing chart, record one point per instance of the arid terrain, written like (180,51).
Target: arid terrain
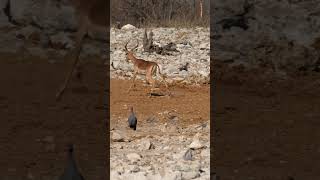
(167,127)
(36,129)
(261,128)
(265,128)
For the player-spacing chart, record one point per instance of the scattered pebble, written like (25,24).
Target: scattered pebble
(116,137)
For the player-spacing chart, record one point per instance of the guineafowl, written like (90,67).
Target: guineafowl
(71,172)
(132,119)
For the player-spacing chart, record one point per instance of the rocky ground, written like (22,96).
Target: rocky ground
(193,45)
(252,33)
(168,128)
(30,41)
(172,143)
(160,152)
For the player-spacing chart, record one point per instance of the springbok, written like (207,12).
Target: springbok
(92,17)
(143,67)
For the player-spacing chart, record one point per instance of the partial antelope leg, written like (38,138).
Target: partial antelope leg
(165,82)
(153,83)
(79,38)
(133,81)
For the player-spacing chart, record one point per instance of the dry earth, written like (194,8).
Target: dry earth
(266,128)
(35,128)
(167,127)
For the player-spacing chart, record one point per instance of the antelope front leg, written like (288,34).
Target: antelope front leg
(133,81)
(79,38)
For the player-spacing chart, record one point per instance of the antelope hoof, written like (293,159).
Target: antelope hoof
(129,89)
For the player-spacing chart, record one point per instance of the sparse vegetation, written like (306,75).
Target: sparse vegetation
(160,13)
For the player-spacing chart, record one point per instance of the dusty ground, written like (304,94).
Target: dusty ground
(266,129)
(35,128)
(191,104)
(170,123)
(261,129)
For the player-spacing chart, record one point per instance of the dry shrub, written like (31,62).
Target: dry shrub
(160,13)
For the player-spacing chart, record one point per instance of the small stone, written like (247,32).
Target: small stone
(188,155)
(119,169)
(114,175)
(182,138)
(116,137)
(134,169)
(205,153)
(196,144)
(133,157)
(146,145)
(61,40)
(118,146)
(190,175)
(128,27)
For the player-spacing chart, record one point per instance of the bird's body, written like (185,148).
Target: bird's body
(132,119)
(71,172)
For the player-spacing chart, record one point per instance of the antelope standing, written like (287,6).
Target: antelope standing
(92,17)
(149,68)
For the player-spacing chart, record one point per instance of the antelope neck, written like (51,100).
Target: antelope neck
(131,57)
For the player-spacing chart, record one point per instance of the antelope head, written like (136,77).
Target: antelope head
(129,53)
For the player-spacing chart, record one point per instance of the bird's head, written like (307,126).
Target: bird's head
(131,109)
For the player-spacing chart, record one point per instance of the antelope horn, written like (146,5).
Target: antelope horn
(136,45)
(125,47)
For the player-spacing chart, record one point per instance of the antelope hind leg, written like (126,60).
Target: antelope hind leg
(165,82)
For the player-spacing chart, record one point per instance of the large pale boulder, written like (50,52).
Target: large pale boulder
(45,13)
(277,32)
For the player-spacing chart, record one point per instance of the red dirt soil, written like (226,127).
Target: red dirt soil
(190,104)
